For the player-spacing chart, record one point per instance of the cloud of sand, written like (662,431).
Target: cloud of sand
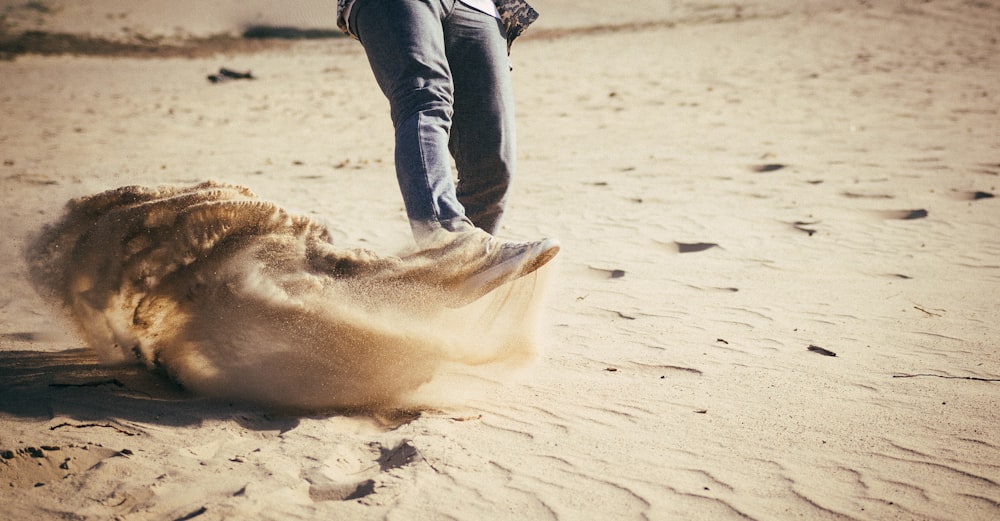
(233,297)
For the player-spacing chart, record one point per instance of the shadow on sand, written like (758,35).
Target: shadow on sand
(72,384)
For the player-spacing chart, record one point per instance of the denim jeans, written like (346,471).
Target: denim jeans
(444,68)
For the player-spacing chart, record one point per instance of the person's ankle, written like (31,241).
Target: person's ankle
(433,234)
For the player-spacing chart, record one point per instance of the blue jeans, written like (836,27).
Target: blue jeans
(444,68)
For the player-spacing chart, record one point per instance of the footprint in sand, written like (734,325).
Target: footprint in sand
(611,273)
(694,247)
(904,215)
(27,467)
(350,475)
(769,167)
(975,196)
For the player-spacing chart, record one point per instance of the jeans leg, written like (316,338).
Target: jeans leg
(482,135)
(405,44)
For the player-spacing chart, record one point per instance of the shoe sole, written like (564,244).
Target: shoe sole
(486,281)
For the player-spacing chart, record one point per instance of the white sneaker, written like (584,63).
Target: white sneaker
(507,261)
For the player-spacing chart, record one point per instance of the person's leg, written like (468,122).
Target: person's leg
(482,135)
(405,44)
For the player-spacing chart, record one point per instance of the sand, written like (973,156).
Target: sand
(742,189)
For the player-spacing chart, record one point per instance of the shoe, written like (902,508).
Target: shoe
(507,261)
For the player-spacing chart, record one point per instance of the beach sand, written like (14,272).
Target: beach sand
(776,296)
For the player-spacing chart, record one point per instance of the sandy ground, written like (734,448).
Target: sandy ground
(742,190)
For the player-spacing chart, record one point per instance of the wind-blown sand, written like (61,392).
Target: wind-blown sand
(232,297)
(742,190)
